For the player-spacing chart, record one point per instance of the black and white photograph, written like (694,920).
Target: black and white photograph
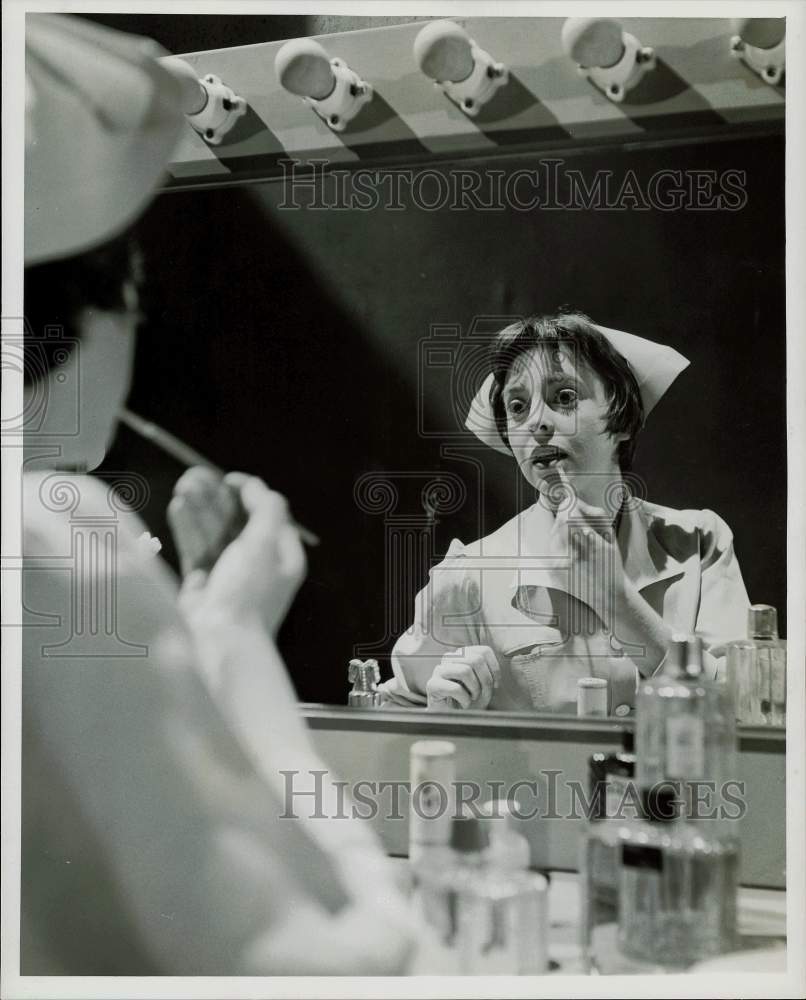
(403,499)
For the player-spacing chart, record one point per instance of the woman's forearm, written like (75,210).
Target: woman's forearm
(247,679)
(245,675)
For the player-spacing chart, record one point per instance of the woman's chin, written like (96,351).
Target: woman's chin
(91,455)
(549,478)
(89,458)
(53,454)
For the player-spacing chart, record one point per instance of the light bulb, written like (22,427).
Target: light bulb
(303,68)
(210,106)
(761,32)
(593,41)
(193,94)
(442,51)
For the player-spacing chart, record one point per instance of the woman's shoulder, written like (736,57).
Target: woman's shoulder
(692,518)
(85,554)
(65,515)
(503,541)
(684,528)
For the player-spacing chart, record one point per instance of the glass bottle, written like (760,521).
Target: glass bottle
(438,885)
(756,670)
(508,846)
(364,675)
(685,729)
(677,886)
(489,920)
(669,720)
(432,785)
(610,777)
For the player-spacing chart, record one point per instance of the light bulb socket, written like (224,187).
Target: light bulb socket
(348,96)
(220,111)
(472,93)
(769,64)
(616,80)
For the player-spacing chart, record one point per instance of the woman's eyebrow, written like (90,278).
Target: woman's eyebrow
(553,378)
(514,386)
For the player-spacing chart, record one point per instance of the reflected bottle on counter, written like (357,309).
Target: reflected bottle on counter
(592,696)
(677,886)
(685,726)
(610,787)
(755,670)
(364,675)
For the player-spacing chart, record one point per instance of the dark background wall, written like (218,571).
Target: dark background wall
(287,343)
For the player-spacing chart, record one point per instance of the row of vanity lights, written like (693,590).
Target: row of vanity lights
(612,59)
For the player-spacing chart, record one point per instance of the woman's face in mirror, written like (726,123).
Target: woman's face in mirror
(556,411)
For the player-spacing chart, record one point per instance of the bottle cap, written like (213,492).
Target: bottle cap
(364,674)
(694,665)
(468,834)
(504,813)
(762,622)
(659,804)
(676,655)
(592,696)
(496,809)
(433,748)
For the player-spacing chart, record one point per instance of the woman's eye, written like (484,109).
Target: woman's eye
(516,407)
(566,398)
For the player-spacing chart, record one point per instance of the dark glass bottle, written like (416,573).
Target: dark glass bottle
(610,793)
(677,886)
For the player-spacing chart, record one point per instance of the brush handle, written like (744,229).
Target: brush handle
(186,455)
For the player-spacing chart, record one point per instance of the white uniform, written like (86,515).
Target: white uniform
(502,592)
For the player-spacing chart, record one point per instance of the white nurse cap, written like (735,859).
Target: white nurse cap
(655,367)
(103,117)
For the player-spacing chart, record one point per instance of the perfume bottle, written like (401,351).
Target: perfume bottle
(609,775)
(494,920)
(364,675)
(611,800)
(508,847)
(756,670)
(502,924)
(685,726)
(432,782)
(677,886)
(438,884)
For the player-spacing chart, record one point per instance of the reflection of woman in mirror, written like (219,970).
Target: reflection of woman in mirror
(590,580)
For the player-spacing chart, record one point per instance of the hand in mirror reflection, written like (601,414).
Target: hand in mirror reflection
(585,533)
(464,679)
(250,579)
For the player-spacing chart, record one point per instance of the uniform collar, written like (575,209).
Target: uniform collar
(646,559)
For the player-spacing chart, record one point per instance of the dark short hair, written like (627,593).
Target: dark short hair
(58,291)
(625,413)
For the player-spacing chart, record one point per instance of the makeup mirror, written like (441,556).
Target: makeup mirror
(320,319)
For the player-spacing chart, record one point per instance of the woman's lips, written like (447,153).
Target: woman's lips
(547,458)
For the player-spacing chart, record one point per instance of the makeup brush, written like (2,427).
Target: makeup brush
(183,453)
